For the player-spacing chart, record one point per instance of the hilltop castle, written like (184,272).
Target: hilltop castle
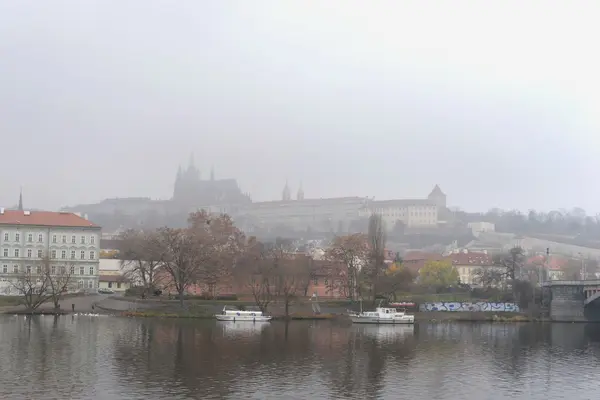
(191,190)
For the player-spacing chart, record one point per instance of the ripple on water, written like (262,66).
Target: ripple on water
(114,358)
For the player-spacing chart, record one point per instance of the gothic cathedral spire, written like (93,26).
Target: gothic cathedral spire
(21,200)
(286,195)
(300,195)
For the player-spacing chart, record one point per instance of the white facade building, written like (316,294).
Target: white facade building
(30,240)
(413,213)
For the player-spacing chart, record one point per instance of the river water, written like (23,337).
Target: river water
(126,358)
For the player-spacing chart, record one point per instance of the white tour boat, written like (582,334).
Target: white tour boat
(234,314)
(382,315)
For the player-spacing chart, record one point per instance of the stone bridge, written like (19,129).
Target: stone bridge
(574,301)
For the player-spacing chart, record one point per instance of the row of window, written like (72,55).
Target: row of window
(53,270)
(40,254)
(40,238)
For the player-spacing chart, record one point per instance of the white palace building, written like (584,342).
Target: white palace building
(61,239)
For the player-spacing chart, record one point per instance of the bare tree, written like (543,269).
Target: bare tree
(141,255)
(59,280)
(219,244)
(508,270)
(350,251)
(255,272)
(33,287)
(288,272)
(180,262)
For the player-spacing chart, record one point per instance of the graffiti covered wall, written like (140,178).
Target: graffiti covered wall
(461,306)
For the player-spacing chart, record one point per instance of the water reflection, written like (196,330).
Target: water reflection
(113,358)
(241,329)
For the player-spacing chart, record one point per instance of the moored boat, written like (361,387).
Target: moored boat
(234,314)
(383,315)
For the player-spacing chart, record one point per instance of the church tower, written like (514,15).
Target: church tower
(178,182)
(437,197)
(286,195)
(21,200)
(300,195)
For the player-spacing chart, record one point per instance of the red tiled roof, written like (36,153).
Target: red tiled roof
(470,259)
(420,255)
(554,263)
(415,260)
(44,218)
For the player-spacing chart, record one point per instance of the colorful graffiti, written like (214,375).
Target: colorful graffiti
(460,306)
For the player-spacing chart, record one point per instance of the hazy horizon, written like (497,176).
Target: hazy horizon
(495,103)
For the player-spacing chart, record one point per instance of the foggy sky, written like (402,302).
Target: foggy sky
(497,104)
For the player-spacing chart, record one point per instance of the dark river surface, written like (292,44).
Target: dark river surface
(126,358)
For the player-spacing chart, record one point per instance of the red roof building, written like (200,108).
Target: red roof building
(44,218)
(415,260)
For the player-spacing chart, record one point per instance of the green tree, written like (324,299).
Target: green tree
(438,274)
(396,278)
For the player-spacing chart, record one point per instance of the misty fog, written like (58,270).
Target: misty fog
(496,104)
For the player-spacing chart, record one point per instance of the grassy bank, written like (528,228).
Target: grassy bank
(11,301)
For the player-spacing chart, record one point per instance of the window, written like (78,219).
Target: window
(16,252)
(63,254)
(326,282)
(92,255)
(73,239)
(316,281)
(64,238)
(28,268)
(16,269)
(40,254)
(40,238)
(5,252)
(90,284)
(5,269)
(91,270)
(118,285)
(6,236)
(53,238)
(63,270)
(53,254)
(83,240)
(92,239)
(30,237)
(82,255)
(81,270)
(53,270)
(72,270)
(80,284)
(29,253)
(72,254)
(17,237)
(38,270)
(110,285)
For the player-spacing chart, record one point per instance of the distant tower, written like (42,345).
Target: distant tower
(286,195)
(21,200)
(300,195)
(192,173)
(178,182)
(437,197)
